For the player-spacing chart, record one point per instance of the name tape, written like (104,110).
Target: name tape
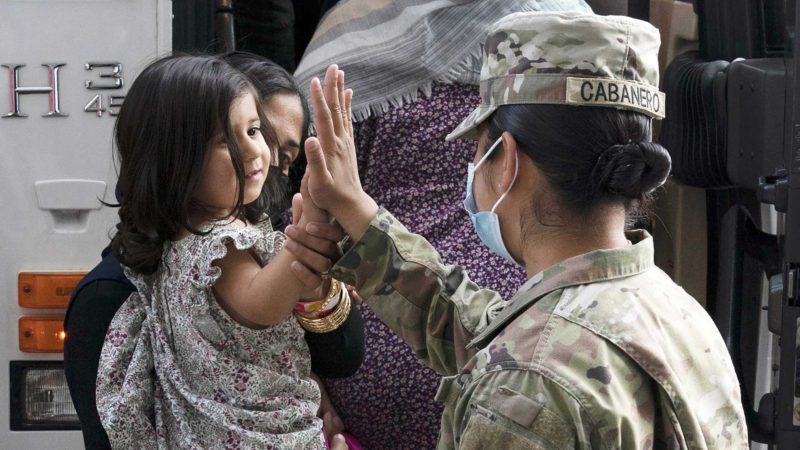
(618,93)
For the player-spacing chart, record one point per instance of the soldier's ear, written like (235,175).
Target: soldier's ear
(510,158)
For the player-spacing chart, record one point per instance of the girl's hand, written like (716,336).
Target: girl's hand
(332,173)
(326,235)
(309,210)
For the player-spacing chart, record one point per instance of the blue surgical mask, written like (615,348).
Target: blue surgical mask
(487,223)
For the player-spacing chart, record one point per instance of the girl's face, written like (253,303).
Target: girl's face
(285,113)
(218,188)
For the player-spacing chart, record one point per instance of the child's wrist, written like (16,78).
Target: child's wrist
(332,315)
(324,305)
(319,294)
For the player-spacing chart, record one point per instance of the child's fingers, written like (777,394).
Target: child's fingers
(297,208)
(327,247)
(311,259)
(309,279)
(311,210)
(327,231)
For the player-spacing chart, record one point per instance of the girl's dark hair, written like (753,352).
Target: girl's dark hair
(591,156)
(271,79)
(164,130)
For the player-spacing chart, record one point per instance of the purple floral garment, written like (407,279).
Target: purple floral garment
(407,167)
(177,372)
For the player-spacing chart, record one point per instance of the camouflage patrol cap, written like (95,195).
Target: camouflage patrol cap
(568,58)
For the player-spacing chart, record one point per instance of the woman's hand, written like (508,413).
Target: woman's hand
(331,422)
(318,233)
(332,173)
(315,254)
(327,235)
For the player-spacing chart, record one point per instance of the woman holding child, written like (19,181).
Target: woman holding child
(205,353)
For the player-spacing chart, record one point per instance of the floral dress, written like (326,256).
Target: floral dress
(176,372)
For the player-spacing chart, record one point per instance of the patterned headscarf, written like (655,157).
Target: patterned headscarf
(393,50)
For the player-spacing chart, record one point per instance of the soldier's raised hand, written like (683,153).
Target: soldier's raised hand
(332,172)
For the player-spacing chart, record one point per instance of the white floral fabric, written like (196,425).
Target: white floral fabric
(176,372)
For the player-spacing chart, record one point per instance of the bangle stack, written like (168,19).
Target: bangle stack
(328,314)
(313,309)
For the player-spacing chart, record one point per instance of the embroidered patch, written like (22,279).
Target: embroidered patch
(618,93)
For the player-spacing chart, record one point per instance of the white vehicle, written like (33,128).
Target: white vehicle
(68,64)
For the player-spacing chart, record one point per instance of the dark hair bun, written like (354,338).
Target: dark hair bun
(631,170)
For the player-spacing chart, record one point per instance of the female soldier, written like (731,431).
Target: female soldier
(599,348)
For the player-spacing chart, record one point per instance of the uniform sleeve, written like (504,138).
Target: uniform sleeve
(434,308)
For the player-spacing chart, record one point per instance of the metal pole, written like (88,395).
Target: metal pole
(223,26)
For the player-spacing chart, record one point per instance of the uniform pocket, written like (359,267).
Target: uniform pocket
(511,421)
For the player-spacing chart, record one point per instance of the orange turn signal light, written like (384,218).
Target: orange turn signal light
(42,334)
(46,289)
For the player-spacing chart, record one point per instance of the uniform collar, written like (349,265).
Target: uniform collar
(598,265)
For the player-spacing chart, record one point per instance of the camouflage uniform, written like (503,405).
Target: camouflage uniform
(600,351)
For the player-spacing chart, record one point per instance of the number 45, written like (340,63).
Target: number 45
(95,105)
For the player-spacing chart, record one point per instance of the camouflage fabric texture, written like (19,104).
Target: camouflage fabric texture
(601,351)
(568,57)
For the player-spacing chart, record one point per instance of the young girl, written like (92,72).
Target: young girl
(205,354)
(337,354)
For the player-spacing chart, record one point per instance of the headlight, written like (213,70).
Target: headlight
(40,397)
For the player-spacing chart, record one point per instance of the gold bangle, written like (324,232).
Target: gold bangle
(330,322)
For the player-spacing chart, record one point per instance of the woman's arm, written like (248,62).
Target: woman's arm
(434,308)
(90,313)
(339,353)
